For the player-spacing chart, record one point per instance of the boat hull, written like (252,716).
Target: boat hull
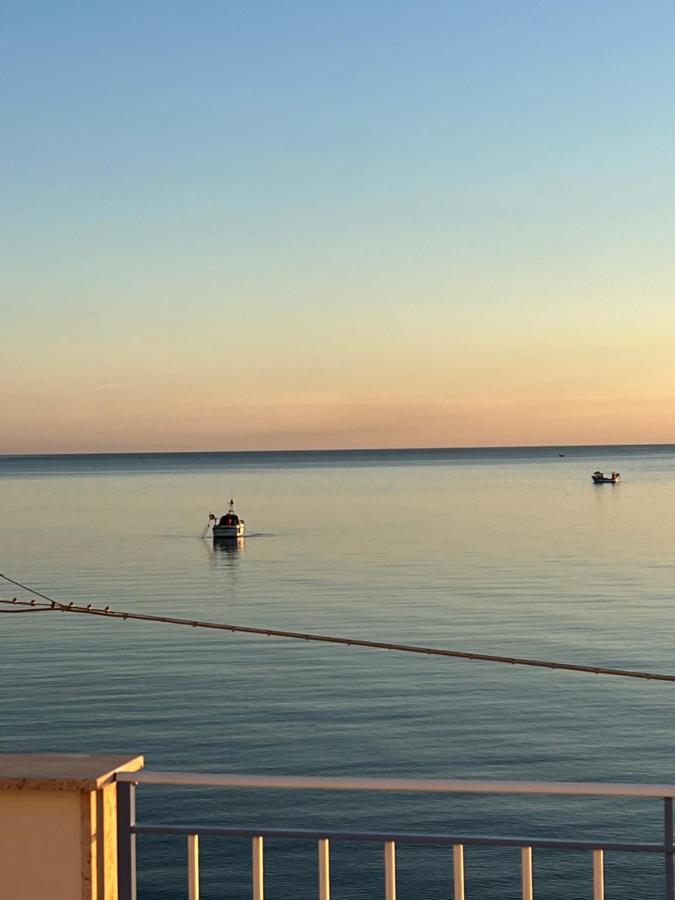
(228,532)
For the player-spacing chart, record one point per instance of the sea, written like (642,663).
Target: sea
(499,551)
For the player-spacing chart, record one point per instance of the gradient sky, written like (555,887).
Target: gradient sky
(241,225)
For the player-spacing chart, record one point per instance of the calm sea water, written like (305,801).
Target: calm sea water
(507,551)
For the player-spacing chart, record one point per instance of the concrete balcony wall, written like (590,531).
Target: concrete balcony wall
(58,826)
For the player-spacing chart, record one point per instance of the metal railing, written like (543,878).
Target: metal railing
(129,828)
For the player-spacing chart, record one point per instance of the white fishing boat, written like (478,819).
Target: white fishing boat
(227,526)
(600,477)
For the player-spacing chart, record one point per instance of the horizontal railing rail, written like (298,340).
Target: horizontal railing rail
(128,828)
(402,837)
(392,785)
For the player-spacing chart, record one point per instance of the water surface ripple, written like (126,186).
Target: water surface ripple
(504,551)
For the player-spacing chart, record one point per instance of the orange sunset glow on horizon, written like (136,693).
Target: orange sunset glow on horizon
(473,248)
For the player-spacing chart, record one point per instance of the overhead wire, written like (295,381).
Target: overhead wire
(34,609)
(57,606)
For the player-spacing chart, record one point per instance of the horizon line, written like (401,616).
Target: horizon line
(331,450)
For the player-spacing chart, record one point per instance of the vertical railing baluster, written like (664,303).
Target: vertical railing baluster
(390,870)
(668,842)
(258,888)
(126,840)
(324,870)
(193,866)
(598,875)
(526,873)
(458,871)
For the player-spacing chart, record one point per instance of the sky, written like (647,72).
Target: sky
(294,224)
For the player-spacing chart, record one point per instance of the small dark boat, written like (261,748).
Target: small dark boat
(600,477)
(228,526)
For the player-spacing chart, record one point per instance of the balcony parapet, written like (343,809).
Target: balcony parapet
(58,825)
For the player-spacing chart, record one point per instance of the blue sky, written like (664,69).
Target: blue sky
(387,216)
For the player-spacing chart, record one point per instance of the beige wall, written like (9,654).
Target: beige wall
(58,826)
(41,845)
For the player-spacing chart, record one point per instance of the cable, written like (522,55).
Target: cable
(34,609)
(29,589)
(331,639)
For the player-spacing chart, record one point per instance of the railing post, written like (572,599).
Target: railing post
(390,870)
(668,842)
(526,873)
(458,871)
(258,877)
(126,840)
(324,870)
(598,875)
(193,866)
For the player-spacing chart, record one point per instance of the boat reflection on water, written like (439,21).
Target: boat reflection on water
(228,546)
(225,553)
(225,560)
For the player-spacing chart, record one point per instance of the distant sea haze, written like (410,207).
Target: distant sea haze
(506,550)
(73,463)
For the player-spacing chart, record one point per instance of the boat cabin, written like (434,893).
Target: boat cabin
(228,525)
(229,518)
